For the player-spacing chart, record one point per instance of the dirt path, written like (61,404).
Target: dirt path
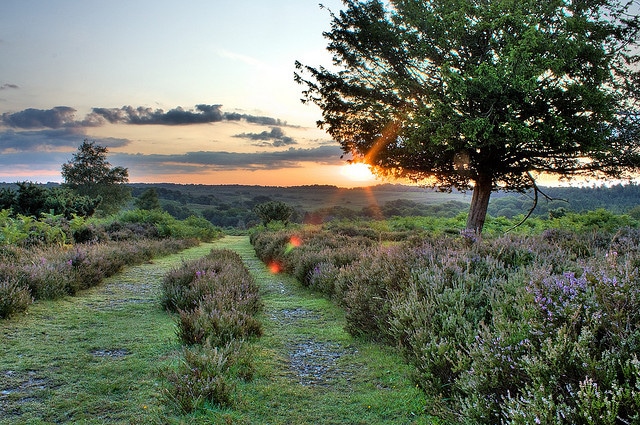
(95,358)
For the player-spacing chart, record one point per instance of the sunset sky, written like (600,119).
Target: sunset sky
(197,91)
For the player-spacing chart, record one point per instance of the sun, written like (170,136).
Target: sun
(357,171)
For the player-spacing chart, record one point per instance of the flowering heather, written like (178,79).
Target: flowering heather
(510,329)
(216,300)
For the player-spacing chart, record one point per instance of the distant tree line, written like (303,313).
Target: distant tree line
(618,199)
(242,213)
(30,199)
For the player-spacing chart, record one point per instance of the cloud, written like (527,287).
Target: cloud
(60,116)
(274,138)
(177,116)
(50,140)
(202,114)
(195,162)
(8,86)
(65,116)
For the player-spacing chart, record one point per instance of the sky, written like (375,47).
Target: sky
(196,91)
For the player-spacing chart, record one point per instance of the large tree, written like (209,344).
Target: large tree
(482,94)
(90,174)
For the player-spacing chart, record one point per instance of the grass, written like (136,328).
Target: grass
(96,359)
(309,370)
(91,359)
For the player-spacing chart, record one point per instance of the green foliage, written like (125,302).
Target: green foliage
(216,300)
(35,200)
(482,93)
(167,226)
(148,200)
(273,211)
(205,376)
(38,255)
(14,298)
(90,174)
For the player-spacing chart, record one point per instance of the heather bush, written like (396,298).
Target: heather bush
(204,376)
(364,288)
(14,298)
(538,326)
(219,326)
(216,299)
(221,274)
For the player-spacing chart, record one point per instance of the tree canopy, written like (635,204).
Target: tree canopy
(274,211)
(90,174)
(483,94)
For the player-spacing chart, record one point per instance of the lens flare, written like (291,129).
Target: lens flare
(274,267)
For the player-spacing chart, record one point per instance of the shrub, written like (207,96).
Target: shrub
(216,300)
(206,322)
(508,329)
(14,298)
(207,374)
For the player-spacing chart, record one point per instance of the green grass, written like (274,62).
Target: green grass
(97,359)
(362,383)
(91,359)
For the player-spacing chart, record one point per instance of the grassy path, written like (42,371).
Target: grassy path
(95,358)
(310,371)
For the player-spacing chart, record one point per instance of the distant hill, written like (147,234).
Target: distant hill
(232,205)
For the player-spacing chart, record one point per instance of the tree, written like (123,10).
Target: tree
(90,174)
(148,200)
(274,211)
(482,94)
(30,199)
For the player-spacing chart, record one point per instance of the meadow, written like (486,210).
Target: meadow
(537,323)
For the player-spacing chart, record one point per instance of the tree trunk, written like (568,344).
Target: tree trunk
(479,204)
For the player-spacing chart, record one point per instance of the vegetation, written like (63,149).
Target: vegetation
(93,358)
(483,94)
(148,200)
(30,199)
(274,211)
(538,328)
(232,207)
(90,174)
(216,300)
(54,257)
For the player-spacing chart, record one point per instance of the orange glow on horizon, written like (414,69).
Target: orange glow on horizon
(300,176)
(357,172)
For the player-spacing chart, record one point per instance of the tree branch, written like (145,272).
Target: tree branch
(536,191)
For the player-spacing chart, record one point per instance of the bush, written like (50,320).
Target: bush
(216,300)
(512,329)
(14,298)
(207,374)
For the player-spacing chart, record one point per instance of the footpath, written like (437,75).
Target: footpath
(96,358)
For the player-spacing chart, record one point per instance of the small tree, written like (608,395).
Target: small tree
(30,199)
(90,174)
(483,94)
(273,211)
(7,198)
(148,200)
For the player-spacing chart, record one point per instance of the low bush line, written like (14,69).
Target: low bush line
(53,272)
(216,300)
